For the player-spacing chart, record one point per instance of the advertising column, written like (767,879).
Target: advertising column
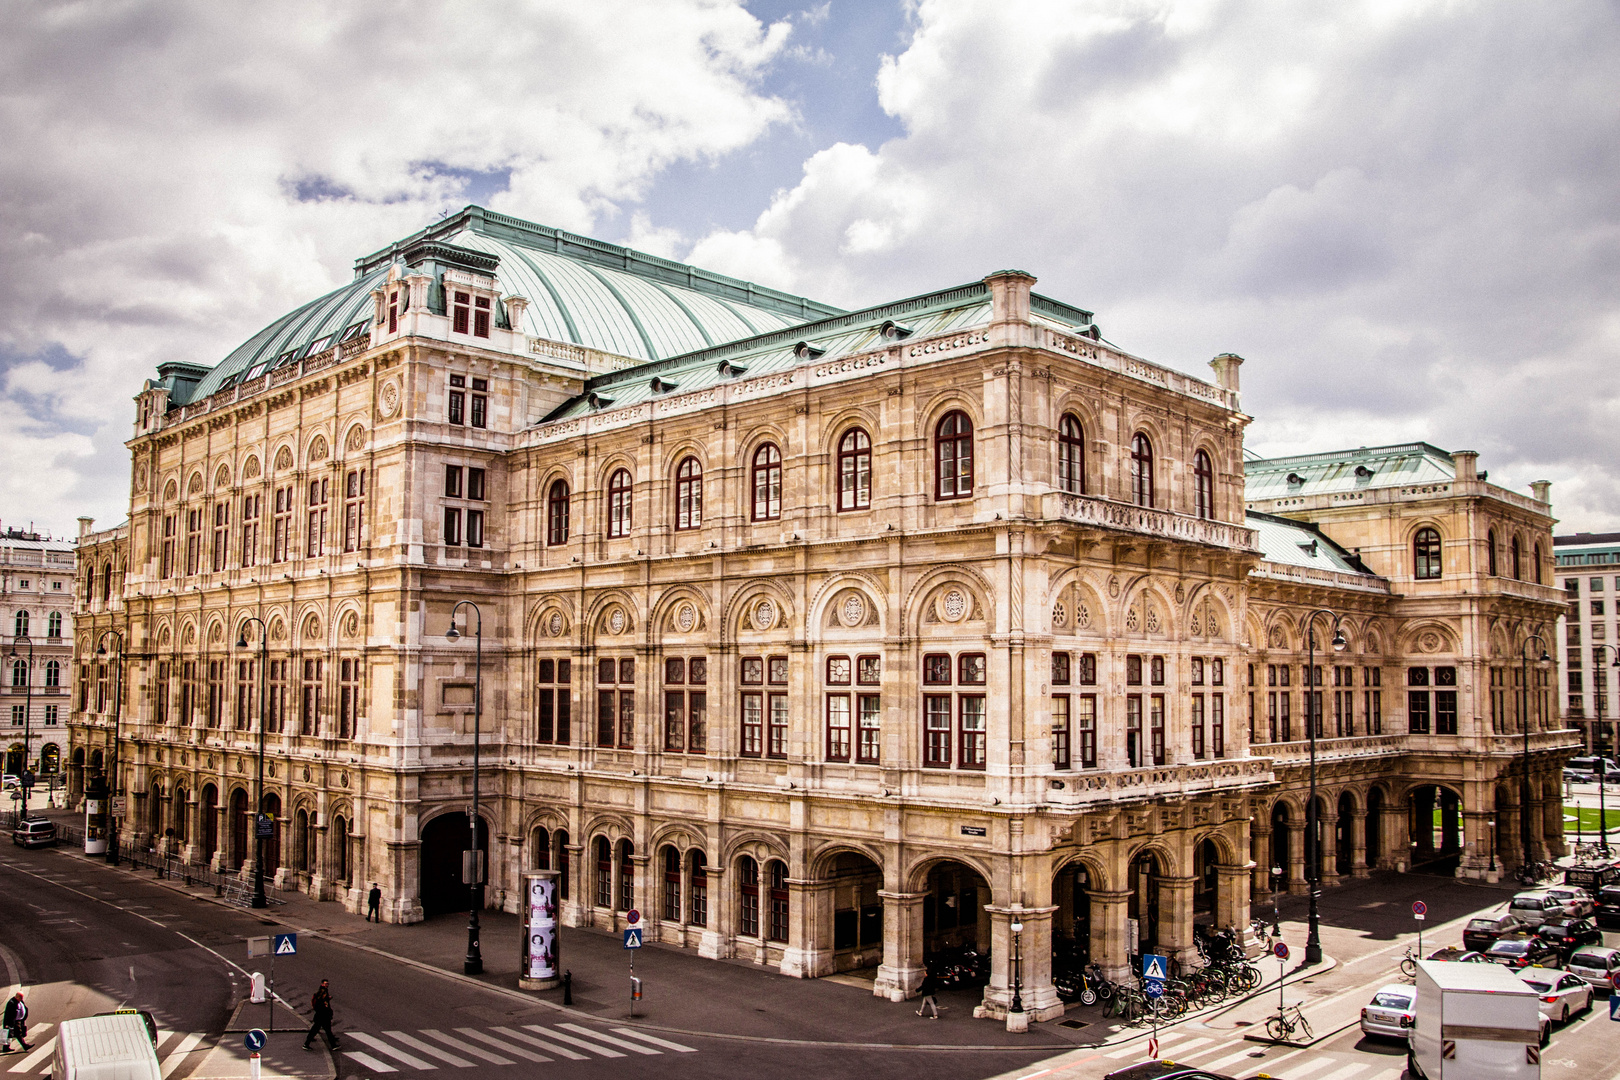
(539,969)
(95,817)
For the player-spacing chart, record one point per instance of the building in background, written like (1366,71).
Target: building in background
(36,621)
(1589,573)
(832,640)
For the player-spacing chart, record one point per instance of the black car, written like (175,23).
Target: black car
(1165,1070)
(1481,933)
(1518,951)
(1454,955)
(1567,935)
(1607,911)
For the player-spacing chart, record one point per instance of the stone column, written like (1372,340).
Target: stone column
(575,908)
(641,883)
(1176,919)
(1034,967)
(1328,856)
(1261,871)
(1297,885)
(1396,848)
(717,936)
(1110,950)
(1358,842)
(1423,824)
(901,971)
(218,857)
(320,885)
(191,852)
(1232,897)
(809,951)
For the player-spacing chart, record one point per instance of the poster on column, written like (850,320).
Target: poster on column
(540,945)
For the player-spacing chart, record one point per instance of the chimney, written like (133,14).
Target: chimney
(1467,463)
(1009,295)
(85,525)
(1542,490)
(1226,370)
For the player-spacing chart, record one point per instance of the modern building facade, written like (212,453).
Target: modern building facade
(36,604)
(1589,572)
(827,639)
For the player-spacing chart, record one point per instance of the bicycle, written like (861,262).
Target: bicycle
(1409,964)
(1281,1027)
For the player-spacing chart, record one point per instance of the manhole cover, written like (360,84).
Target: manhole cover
(1073,1024)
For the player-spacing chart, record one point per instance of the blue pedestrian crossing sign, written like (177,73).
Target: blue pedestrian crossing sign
(632,938)
(1155,967)
(284,945)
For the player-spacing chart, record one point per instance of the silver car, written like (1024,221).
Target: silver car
(1598,966)
(1389,1014)
(1559,993)
(1574,901)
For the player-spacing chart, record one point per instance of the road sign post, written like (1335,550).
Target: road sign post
(1419,910)
(632,941)
(1280,951)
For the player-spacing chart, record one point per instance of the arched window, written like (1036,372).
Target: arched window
(53,673)
(1490,553)
(1426,554)
(604,872)
(688,495)
(19,673)
(953,457)
(89,584)
(1203,485)
(748,884)
(672,885)
(1513,560)
(53,625)
(697,903)
(106,583)
(20,625)
(767,483)
(1535,565)
(854,470)
(627,876)
(1071,455)
(1141,470)
(778,929)
(542,848)
(340,848)
(557,513)
(619,491)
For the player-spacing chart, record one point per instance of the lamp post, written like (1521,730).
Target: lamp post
(1018,965)
(1602,756)
(1313,719)
(472,871)
(1276,911)
(1524,723)
(258,900)
(1492,824)
(28,715)
(118,708)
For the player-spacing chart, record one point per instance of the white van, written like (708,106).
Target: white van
(110,1047)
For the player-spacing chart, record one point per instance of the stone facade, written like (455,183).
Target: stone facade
(846,643)
(36,606)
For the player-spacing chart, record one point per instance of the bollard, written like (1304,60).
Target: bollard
(256,980)
(568,988)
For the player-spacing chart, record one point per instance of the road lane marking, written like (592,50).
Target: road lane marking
(427,1048)
(398,1055)
(515,1051)
(1347,1072)
(656,1041)
(592,1047)
(450,1040)
(186,1046)
(1229,1059)
(1311,1066)
(369,1062)
(610,1040)
(1183,1047)
(560,1051)
(41,1052)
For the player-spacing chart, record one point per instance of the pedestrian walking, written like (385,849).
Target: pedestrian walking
(929,987)
(322,1004)
(16,1024)
(374,903)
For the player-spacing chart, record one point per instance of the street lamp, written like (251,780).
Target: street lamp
(1602,756)
(1492,824)
(1313,719)
(28,714)
(258,900)
(1018,964)
(118,708)
(471,870)
(1524,722)
(1276,911)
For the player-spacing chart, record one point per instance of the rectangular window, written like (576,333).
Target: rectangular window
(1133,671)
(452,481)
(281,538)
(753,723)
(1198,727)
(553,701)
(971,669)
(251,506)
(616,702)
(937,669)
(937,731)
(393,312)
(1271,714)
(1417,712)
(1217,672)
(776,744)
(168,546)
(1375,711)
(276,707)
(452,526)
(973,731)
(1086,670)
(1445,712)
(216,693)
(309,722)
(481,317)
(1060,731)
(685,710)
(1156,671)
(188,692)
(160,705)
(1085,721)
(868,670)
(246,684)
(749,922)
(838,671)
(457,404)
(222,536)
(1597,607)
(1060,669)
(475,528)
(475,483)
(480,409)
(1133,730)
(194,520)
(1595,584)
(1217,725)
(354,508)
(1285,719)
(1197,671)
(838,727)
(50,715)
(869,708)
(1156,726)
(316,540)
(459,313)
(348,698)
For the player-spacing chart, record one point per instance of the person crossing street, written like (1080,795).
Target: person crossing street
(322,1004)
(16,1024)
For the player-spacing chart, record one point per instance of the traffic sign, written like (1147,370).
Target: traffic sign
(632,938)
(1153,988)
(285,945)
(1280,950)
(633,916)
(254,1040)
(1155,966)
(1614,1006)
(1419,909)
(264,827)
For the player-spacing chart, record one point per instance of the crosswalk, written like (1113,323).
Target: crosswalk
(1222,1053)
(173,1049)
(430,1049)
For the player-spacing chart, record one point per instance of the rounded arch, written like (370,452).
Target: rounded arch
(1169,865)
(283,460)
(1224,845)
(923,589)
(745,599)
(824,858)
(915,874)
(758,845)
(222,476)
(836,424)
(1428,638)
(1158,608)
(602,474)
(1096,869)
(354,440)
(171,491)
(601,605)
(834,587)
(317,450)
(944,401)
(679,835)
(309,629)
(250,467)
(549,818)
(1085,610)
(674,453)
(614,827)
(750,440)
(538,624)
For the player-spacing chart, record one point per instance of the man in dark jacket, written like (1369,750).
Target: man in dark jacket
(322,1004)
(374,903)
(929,987)
(16,1024)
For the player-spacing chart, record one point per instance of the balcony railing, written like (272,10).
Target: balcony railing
(1147,521)
(1160,780)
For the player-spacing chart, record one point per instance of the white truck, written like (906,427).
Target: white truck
(1474,1022)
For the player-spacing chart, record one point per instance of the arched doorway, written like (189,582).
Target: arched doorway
(954,917)
(16,757)
(1071,923)
(443,841)
(1206,880)
(1434,816)
(1375,826)
(857,911)
(96,762)
(239,830)
(1344,836)
(178,825)
(50,758)
(208,816)
(340,849)
(272,843)
(1281,838)
(154,814)
(1143,908)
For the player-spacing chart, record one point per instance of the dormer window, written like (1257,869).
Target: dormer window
(470,311)
(481,311)
(461,312)
(393,312)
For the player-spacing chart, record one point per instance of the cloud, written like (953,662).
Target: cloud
(178,174)
(1401,214)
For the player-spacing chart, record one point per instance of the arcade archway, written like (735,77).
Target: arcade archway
(443,841)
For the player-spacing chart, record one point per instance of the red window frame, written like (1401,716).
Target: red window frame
(936,731)
(460,312)
(688,495)
(838,726)
(557,513)
(767,483)
(1203,485)
(869,728)
(953,456)
(621,491)
(855,470)
(1071,455)
(1141,470)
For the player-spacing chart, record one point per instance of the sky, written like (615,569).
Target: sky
(1403,214)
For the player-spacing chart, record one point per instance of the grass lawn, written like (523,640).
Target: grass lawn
(1589,818)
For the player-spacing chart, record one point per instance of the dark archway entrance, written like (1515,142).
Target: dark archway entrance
(239,830)
(443,841)
(272,843)
(1071,924)
(1279,844)
(1344,835)
(1375,826)
(208,816)
(857,911)
(1206,880)
(1144,903)
(1435,828)
(955,922)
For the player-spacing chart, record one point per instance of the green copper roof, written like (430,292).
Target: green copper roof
(580,291)
(1295,543)
(1347,470)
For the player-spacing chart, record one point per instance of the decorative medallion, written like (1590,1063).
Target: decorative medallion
(356,440)
(1132,620)
(1113,586)
(853,612)
(616,620)
(1082,615)
(764,615)
(270,770)
(210,761)
(954,606)
(1152,619)
(1429,642)
(317,450)
(1195,628)
(1181,593)
(250,471)
(555,624)
(343,778)
(351,625)
(284,458)
(196,484)
(388,399)
(1060,615)
(685,618)
(278,630)
(140,479)
(1276,637)
(241,766)
(216,633)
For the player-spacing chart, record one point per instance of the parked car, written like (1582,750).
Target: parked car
(1606,912)
(1597,965)
(1389,1014)
(1579,776)
(1523,950)
(1567,935)
(1560,993)
(1592,764)
(1534,907)
(1453,955)
(35,832)
(1575,901)
(1481,933)
(1593,876)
